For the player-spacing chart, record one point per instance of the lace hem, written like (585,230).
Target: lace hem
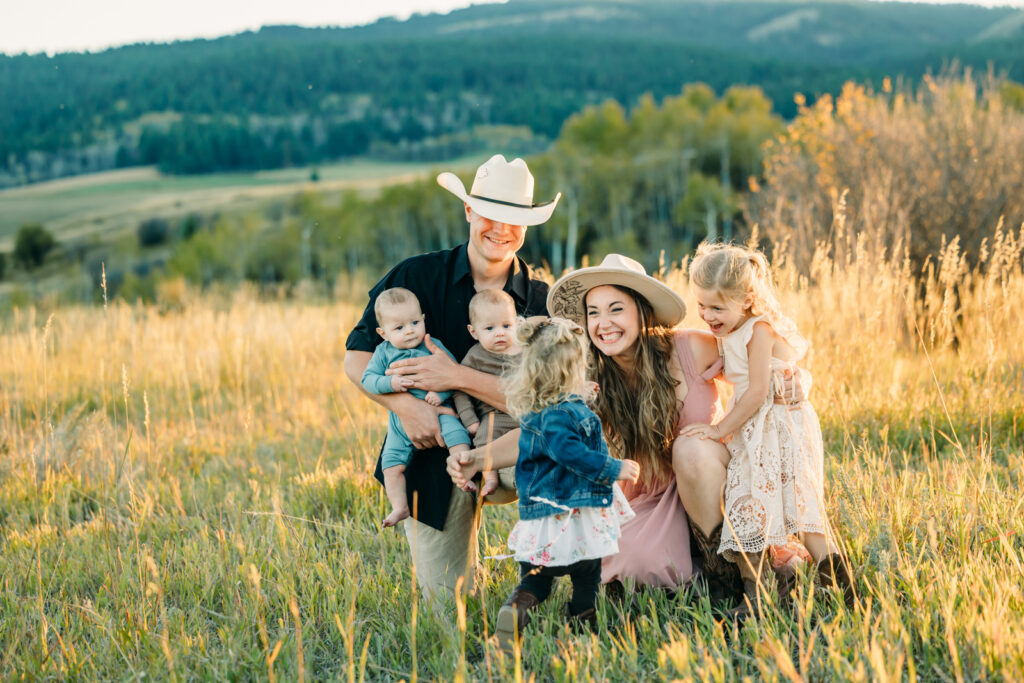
(731,547)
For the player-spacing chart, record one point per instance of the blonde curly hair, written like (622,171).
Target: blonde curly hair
(552,366)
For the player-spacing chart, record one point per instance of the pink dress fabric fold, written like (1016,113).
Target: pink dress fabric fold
(654,549)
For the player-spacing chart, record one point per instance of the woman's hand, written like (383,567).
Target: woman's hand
(704,431)
(462,467)
(794,387)
(630,471)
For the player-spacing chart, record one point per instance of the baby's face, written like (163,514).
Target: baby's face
(495,328)
(402,325)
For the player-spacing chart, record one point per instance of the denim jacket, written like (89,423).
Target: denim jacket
(563,461)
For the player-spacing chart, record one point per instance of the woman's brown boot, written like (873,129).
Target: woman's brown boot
(721,576)
(784,580)
(834,572)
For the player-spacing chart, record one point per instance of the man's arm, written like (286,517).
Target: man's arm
(438,372)
(419,418)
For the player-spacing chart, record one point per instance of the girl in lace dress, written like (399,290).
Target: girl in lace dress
(775,481)
(570,508)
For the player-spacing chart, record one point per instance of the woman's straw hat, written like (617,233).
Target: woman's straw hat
(502,191)
(565,298)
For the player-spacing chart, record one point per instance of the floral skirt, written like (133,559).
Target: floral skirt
(566,537)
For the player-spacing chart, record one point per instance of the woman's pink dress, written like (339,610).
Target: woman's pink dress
(654,549)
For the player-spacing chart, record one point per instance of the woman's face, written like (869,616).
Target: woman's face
(613,321)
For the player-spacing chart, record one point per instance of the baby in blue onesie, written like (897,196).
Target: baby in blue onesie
(401,325)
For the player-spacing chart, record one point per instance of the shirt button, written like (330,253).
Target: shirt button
(604,500)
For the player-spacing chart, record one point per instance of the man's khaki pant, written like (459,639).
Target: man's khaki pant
(442,557)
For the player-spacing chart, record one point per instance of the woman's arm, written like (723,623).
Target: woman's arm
(502,452)
(795,386)
(759,368)
(704,348)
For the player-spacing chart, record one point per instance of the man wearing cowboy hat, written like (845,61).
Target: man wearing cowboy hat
(498,208)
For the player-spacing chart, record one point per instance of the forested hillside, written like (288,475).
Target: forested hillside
(421,88)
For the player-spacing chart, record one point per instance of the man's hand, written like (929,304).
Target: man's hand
(399,384)
(704,431)
(473,428)
(432,397)
(420,421)
(430,373)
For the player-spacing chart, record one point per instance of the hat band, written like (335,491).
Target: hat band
(518,206)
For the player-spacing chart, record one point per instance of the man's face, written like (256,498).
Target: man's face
(493,241)
(402,325)
(494,327)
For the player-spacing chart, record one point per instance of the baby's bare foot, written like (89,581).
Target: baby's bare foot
(396,516)
(490,483)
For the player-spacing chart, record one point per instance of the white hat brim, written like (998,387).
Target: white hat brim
(503,213)
(565,298)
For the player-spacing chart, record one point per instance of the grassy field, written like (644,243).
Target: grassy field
(186,493)
(114,202)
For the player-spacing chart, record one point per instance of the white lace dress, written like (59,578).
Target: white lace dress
(775,483)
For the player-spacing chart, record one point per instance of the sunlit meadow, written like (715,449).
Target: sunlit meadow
(185,493)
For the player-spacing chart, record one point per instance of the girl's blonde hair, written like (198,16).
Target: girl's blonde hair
(639,410)
(552,366)
(736,272)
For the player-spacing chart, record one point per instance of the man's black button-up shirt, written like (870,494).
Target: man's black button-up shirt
(443,283)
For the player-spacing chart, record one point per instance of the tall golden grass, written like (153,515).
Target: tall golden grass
(185,492)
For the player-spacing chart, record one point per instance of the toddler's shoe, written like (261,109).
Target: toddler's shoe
(513,617)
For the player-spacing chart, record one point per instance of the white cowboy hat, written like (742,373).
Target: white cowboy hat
(565,298)
(502,191)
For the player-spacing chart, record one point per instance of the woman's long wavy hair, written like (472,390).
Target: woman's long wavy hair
(553,365)
(639,412)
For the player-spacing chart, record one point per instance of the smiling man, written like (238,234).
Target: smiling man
(499,207)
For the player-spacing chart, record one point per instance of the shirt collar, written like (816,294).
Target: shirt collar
(518,283)
(461,268)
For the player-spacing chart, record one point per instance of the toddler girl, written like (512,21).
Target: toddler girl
(775,482)
(570,508)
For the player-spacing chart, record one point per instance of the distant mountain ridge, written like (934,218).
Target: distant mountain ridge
(288,95)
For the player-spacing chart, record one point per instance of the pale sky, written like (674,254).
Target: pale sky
(78,25)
